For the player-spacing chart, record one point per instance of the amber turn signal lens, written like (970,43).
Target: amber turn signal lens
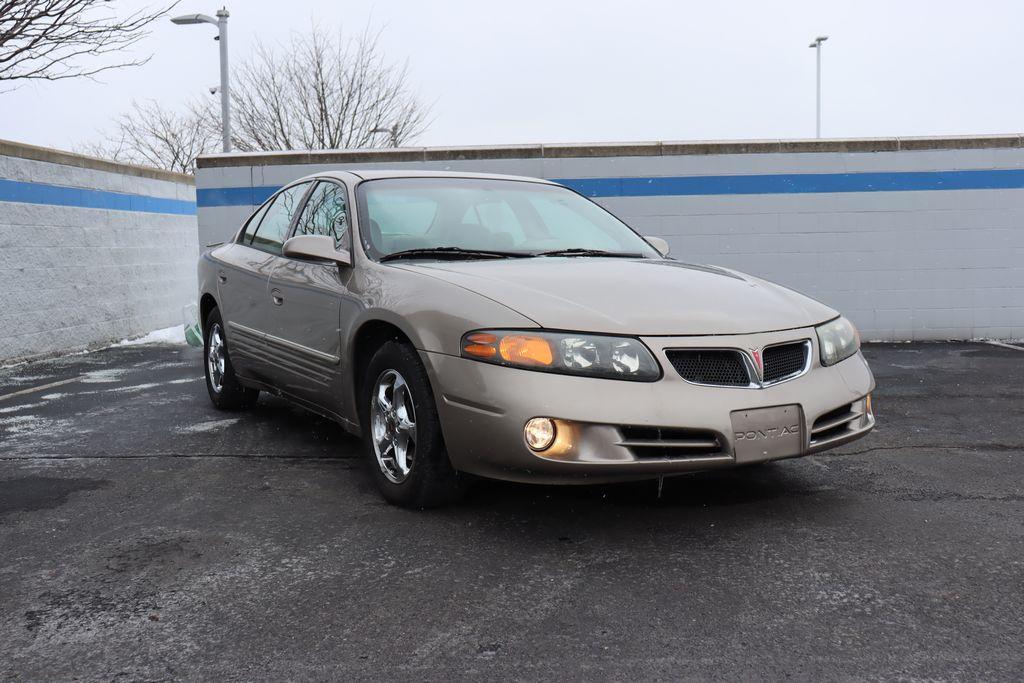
(522,349)
(480,345)
(480,350)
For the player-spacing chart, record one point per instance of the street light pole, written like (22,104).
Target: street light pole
(221,22)
(225,87)
(392,131)
(817,48)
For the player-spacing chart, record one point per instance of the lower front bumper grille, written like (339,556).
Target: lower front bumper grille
(665,442)
(841,422)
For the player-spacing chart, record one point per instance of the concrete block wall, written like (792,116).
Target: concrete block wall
(912,238)
(91,252)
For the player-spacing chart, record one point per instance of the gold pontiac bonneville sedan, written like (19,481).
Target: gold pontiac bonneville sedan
(510,328)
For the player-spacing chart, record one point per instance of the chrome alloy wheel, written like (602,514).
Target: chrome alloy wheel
(215,358)
(393,425)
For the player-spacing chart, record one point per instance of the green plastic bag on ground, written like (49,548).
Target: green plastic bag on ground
(193,332)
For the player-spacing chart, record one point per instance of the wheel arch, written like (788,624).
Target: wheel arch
(206,304)
(370,336)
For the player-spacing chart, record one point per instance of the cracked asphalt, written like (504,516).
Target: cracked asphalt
(146,536)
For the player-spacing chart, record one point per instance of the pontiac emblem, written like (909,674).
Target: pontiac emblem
(758,363)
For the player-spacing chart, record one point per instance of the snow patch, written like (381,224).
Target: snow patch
(25,379)
(208,426)
(31,427)
(168,335)
(103,376)
(175,364)
(21,423)
(136,387)
(23,406)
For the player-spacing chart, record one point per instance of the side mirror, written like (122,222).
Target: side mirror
(318,247)
(659,244)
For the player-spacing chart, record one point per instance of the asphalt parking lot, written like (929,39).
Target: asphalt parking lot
(144,535)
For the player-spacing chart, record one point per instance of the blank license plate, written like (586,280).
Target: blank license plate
(767,433)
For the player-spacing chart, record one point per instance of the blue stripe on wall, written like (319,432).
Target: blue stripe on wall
(798,183)
(786,183)
(235,196)
(60,195)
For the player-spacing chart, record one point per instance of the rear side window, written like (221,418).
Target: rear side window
(254,222)
(273,227)
(325,213)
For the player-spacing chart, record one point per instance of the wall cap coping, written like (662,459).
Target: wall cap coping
(607,149)
(21,150)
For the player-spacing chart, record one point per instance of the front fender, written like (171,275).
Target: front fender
(431,312)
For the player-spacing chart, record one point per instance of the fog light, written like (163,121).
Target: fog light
(539,433)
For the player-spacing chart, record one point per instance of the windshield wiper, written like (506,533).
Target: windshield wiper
(576,251)
(451,252)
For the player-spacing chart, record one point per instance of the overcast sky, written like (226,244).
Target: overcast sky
(589,70)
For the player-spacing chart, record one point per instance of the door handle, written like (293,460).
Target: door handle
(275,294)
(222,277)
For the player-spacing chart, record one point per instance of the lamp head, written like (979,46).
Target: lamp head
(193,19)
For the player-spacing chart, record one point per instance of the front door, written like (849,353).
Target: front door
(244,278)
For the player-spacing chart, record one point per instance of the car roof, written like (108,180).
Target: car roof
(378,174)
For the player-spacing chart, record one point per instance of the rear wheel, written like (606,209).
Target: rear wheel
(402,433)
(226,392)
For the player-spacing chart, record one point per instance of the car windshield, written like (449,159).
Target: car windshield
(485,218)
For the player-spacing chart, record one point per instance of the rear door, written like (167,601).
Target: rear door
(243,281)
(310,298)
(242,274)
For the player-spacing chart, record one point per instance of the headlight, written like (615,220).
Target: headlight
(573,354)
(838,340)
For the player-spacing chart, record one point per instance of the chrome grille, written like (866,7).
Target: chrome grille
(784,361)
(717,367)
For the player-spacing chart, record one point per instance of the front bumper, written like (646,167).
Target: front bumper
(632,430)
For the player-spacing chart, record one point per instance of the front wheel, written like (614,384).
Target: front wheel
(226,392)
(402,432)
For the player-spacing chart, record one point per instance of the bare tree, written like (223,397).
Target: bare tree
(322,93)
(57,39)
(150,135)
(313,93)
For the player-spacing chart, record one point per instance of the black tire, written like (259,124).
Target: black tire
(231,395)
(431,480)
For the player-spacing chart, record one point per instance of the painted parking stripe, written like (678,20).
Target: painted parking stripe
(710,185)
(43,387)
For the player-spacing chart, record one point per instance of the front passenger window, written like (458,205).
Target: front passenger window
(273,228)
(325,214)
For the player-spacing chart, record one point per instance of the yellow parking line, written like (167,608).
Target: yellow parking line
(4,397)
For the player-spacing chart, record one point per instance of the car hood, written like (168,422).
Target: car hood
(632,296)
